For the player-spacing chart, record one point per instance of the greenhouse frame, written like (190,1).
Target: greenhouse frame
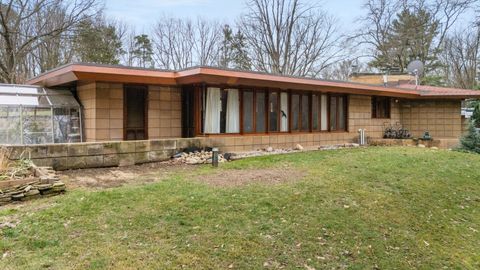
(38,115)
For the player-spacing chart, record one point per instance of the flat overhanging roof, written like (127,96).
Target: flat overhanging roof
(71,73)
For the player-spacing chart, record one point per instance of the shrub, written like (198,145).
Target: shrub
(471,141)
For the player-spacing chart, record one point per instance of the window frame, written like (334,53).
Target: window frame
(374,107)
(267,91)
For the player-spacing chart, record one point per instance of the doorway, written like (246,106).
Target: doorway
(135,113)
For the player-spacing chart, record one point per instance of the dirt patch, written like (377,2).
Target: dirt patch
(270,176)
(119,176)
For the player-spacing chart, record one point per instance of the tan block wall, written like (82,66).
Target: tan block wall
(164,112)
(86,93)
(360,116)
(442,118)
(103,111)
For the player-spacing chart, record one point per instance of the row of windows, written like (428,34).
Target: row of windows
(264,111)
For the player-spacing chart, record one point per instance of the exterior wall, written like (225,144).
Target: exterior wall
(103,111)
(442,118)
(360,116)
(164,112)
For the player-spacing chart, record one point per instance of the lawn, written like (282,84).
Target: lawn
(374,208)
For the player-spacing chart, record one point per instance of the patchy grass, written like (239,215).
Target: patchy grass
(358,209)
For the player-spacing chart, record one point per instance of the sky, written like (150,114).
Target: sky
(143,13)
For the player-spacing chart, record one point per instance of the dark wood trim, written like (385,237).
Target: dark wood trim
(266,92)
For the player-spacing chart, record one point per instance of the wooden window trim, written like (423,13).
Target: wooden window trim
(388,107)
(199,104)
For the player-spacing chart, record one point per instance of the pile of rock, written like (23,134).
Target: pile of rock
(197,157)
(45,183)
(338,146)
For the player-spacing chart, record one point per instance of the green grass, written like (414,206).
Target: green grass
(388,208)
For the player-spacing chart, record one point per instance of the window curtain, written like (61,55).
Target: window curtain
(284,112)
(213,108)
(233,111)
(323,113)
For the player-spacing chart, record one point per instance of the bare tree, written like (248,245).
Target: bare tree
(376,30)
(182,43)
(289,37)
(461,57)
(27,24)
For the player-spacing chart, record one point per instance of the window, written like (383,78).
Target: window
(305,113)
(338,108)
(300,112)
(284,112)
(260,115)
(222,111)
(324,112)
(248,111)
(380,107)
(273,111)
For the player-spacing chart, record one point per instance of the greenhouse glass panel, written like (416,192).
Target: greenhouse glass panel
(66,125)
(36,115)
(63,101)
(10,125)
(37,125)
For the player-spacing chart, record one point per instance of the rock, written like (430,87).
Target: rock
(18,197)
(421,145)
(32,192)
(434,148)
(298,147)
(27,189)
(269,149)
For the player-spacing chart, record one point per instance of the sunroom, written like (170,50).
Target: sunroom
(37,115)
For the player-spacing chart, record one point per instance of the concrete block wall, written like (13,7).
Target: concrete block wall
(360,116)
(164,112)
(442,118)
(103,111)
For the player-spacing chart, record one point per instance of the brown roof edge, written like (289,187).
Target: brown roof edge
(203,74)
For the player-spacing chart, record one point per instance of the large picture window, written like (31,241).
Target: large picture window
(380,107)
(300,112)
(259,111)
(222,111)
(338,108)
(319,112)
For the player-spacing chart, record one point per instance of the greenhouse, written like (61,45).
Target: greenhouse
(37,115)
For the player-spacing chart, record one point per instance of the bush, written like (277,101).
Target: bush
(476,115)
(471,141)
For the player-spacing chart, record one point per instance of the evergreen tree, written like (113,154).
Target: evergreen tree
(476,114)
(240,56)
(98,42)
(471,141)
(142,51)
(410,37)
(226,47)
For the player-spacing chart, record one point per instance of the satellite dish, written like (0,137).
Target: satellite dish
(416,68)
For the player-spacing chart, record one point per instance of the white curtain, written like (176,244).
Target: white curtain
(212,111)
(323,113)
(233,111)
(284,112)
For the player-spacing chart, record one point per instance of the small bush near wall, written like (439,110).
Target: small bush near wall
(471,141)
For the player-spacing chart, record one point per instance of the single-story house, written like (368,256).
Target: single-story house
(240,110)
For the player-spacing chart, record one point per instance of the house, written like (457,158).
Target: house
(246,110)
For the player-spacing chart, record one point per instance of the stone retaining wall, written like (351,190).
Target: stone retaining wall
(101,154)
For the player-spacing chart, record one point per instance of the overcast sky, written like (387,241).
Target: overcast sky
(143,13)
